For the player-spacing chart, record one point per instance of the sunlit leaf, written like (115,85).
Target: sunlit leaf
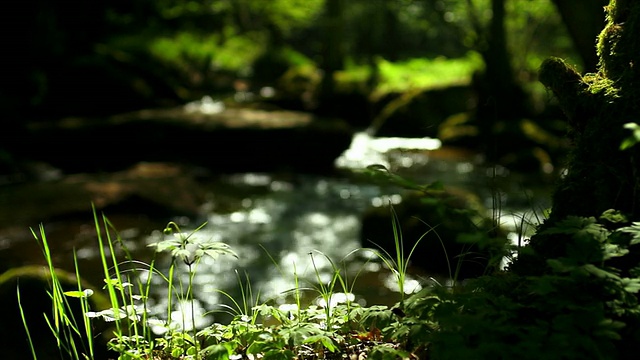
(571,225)
(109,315)
(177,353)
(598,272)
(117,284)
(612,250)
(324,340)
(166,245)
(631,285)
(634,231)
(632,140)
(79,294)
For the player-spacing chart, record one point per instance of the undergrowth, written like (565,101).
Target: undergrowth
(582,305)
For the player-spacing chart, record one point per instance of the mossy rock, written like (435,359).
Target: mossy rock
(34,284)
(451,231)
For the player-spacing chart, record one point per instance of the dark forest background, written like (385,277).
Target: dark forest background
(460,70)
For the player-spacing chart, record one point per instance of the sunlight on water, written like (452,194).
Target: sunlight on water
(366,150)
(410,285)
(206,105)
(300,232)
(290,233)
(336,299)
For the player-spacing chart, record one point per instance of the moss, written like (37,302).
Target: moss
(601,85)
(618,47)
(600,176)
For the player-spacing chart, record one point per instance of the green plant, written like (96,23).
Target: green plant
(327,292)
(580,306)
(73,335)
(398,263)
(325,330)
(128,295)
(245,306)
(189,249)
(632,139)
(24,323)
(132,337)
(338,289)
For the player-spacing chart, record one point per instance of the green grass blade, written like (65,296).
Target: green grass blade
(24,322)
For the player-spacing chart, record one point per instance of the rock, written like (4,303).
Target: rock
(155,189)
(221,139)
(451,231)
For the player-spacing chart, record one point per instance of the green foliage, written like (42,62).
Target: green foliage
(24,323)
(286,15)
(398,262)
(581,307)
(426,73)
(304,335)
(633,139)
(73,333)
(379,174)
(534,29)
(189,51)
(257,329)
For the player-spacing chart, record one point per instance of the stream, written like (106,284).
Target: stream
(298,230)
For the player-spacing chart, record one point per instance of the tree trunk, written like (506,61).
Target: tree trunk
(333,52)
(584,20)
(600,176)
(501,100)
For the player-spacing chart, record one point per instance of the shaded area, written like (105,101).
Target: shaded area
(228,140)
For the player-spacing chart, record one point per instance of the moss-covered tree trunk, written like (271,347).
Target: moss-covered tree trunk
(600,175)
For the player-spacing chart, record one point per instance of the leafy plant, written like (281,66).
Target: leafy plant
(632,139)
(580,307)
(189,249)
(73,336)
(398,263)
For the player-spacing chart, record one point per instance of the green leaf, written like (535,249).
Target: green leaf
(165,245)
(579,228)
(598,272)
(560,266)
(182,254)
(613,217)
(177,353)
(634,231)
(632,140)
(435,186)
(79,294)
(325,340)
(631,285)
(378,315)
(112,314)
(384,352)
(609,329)
(218,352)
(260,347)
(612,250)
(544,285)
(214,253)
(297,334)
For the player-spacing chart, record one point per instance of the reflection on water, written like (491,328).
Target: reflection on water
(295,233)
(292,232)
